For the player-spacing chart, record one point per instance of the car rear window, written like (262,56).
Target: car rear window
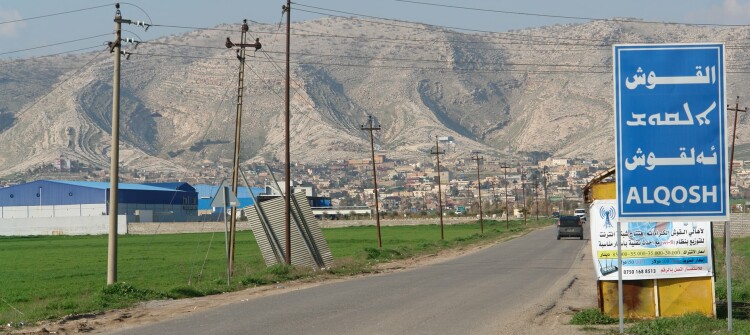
(569,220)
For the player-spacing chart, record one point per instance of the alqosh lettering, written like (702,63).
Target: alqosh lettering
(676,195)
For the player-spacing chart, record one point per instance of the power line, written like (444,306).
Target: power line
(81,69)
(513,37)
(194,28)
(7,62)
(54,44)
(383,38)
(431,27)
(436,60)
(270,89)
(425,26)
(55,14)
(394,59)
(567,17)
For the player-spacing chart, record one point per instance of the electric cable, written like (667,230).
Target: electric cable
(55,14)
(567,17)
(81,69)
(54,44)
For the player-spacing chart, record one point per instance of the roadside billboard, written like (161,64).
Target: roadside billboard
(650,250)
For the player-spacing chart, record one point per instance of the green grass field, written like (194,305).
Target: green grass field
(48,277)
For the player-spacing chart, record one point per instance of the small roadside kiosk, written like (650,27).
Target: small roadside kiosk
(662,291)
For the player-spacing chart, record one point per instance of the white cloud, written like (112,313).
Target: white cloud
(728,12)
(10,29)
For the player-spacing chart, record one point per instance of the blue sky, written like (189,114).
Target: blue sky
(31,33)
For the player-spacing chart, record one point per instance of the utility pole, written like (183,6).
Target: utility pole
(544,185)
(237,131)
(523,195)
(727,242)
(536,200)
(114,171)
(371,125)
(287,118)
(478,158)
(505,168)
(736,109)
(494,195)
(437,153)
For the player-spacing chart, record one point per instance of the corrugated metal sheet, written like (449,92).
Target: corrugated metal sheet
(313,229)
(308,246)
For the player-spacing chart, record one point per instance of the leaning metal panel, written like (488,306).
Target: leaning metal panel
(314,228)
(271,209)
(307,241)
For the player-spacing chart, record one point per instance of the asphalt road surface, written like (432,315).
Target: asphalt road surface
(478,293)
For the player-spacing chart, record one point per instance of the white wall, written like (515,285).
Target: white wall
(87,225)
(17,212)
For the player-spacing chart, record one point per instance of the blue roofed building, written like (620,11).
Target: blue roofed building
(206,194)
(32,204)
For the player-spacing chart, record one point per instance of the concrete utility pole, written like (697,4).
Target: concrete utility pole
(287,161)
(237,131)
(114,47)
(371,125)
(437,153)
(478,158)
(505,168)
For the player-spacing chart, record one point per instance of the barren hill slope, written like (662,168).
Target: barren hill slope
(547,89)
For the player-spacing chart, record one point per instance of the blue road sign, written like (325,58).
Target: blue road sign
(670,130)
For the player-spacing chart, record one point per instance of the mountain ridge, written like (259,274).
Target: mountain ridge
(546,89)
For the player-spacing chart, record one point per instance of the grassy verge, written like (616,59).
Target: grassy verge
(695,324)
(48,277)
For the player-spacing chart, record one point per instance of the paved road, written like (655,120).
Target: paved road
(473,294)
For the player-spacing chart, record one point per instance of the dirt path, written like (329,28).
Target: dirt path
(549,315)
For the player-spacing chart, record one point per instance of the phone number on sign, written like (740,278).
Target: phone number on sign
(638,271)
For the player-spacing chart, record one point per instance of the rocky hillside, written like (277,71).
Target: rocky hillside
(547,89)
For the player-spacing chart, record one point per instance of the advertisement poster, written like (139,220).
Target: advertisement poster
(650,250)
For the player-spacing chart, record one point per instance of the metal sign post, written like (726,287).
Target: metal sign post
(225,198)
(619,277)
